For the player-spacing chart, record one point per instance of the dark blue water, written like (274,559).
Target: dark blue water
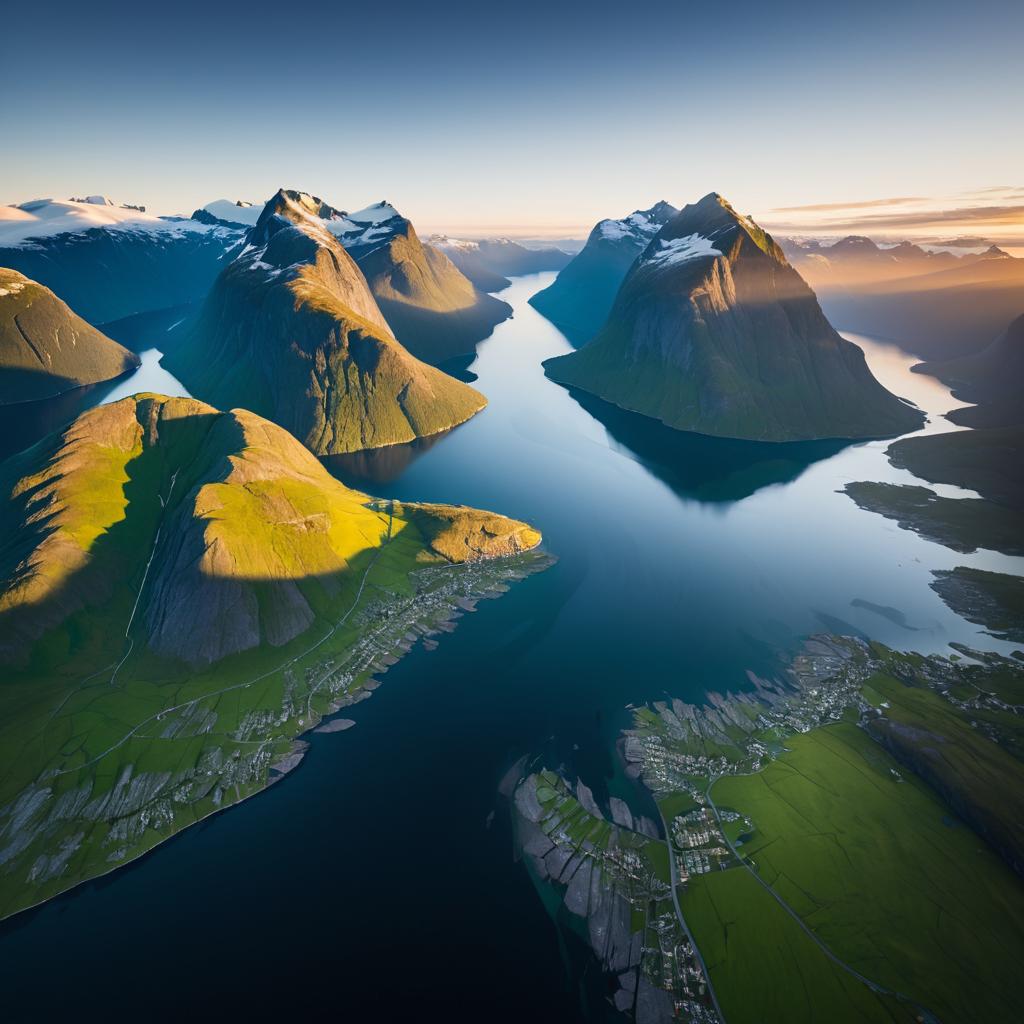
(374,883)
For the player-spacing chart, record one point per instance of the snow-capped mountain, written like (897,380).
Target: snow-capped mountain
(108,261)
(580,298)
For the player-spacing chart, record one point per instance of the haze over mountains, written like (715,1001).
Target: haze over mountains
(713,331)
(45,349)
(489,262)
(990,378)
(292,331)
(937,304)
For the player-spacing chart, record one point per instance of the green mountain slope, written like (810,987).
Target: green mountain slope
(186,591)
(45,348)
(292,331)
(712,331)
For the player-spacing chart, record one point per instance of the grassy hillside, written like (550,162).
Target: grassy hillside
(871,861)
(45,349)
(186,591)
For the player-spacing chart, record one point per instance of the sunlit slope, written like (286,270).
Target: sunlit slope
(241,527)
(292,331)
(712,331)
(45,348)
(185,592)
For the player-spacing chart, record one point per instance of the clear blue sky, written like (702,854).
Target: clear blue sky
(537,116)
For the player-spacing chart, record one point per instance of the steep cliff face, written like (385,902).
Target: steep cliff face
(45,349)
(712,331)
(580,298)
(230,531)
(292,331)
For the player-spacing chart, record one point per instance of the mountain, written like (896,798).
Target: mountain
(580,298)
(713,331)
(108,262)
(237,214)
(185,592)
(432,308)
(243,524)
(490,262)
(990,378)
(45,349)
(291,330)
(938,304)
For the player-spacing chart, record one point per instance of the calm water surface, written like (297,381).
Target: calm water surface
(377,882)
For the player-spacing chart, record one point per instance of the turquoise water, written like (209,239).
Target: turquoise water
(378,880)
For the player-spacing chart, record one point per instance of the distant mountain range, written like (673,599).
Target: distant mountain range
(292,331)
(580,298)
(108,262)
(45,348)
(937,304)
(490,262)
(713,331)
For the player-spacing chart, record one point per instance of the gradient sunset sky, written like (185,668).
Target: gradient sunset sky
(529,118)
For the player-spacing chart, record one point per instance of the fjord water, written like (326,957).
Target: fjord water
(378,880)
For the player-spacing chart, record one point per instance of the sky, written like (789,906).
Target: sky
(529,118)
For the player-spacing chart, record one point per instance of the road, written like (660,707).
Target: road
(674,874)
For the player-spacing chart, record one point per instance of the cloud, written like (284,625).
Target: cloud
(862,204)
(1003,216)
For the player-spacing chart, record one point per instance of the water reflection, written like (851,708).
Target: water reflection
(26,423)
(380,465)
(707,469)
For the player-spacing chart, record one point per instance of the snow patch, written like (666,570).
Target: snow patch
(679,250)
(44,218)
(239,212)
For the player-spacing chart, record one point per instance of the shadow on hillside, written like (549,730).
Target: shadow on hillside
(24,423)
(437,338)
(715,470)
